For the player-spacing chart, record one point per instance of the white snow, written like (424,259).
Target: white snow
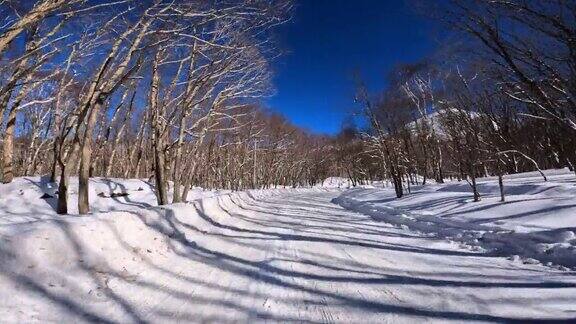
(335,182)
(537,221)
(285,255)
(20,200)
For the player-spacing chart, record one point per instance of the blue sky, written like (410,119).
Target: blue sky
(330,39)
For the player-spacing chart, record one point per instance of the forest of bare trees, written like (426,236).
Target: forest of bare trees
(500,100)
(171,91)
(166,90)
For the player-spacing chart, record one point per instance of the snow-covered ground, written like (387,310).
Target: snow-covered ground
(536,223)
(27,199)
(285,255)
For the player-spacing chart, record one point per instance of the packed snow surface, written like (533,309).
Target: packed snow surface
(286,255)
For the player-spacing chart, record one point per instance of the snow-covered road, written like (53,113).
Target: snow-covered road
(292,256)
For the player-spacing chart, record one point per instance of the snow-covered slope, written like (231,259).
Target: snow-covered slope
(28,198)
(537,221)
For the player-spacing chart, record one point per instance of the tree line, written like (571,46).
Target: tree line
(165,90)
(171,91)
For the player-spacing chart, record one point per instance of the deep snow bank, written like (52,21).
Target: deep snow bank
(29,199)
(537,222)
(89,242)
(69,268)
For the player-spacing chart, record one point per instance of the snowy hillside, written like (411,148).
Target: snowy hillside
(537,221)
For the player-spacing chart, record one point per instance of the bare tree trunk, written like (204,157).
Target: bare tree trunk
(408,183)
(63,192)
(32,163)
(8,149)
(184,197)
(178,162)
(137,150)
(84,178)
(8,168)
(118,137)
(158,137)
(54,167)
(473,183)
(160,175)
(85,164)
(62,207)
(501,185)
(188,181)
(57,127)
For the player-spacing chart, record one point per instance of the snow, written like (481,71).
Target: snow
(434,120)
(335,182)
(283,255)
(537,221)
(20,200)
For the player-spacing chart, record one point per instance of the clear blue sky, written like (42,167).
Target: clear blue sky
(327,41)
